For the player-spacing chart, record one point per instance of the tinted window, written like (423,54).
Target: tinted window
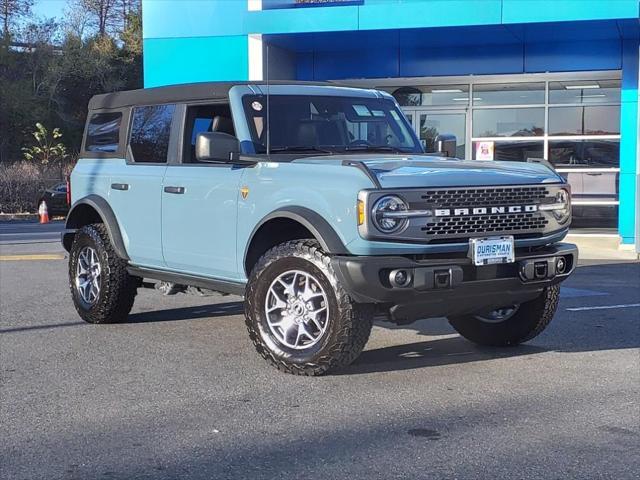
(595,120)
(508,122)
(150,132)
(584,153)
(103,132)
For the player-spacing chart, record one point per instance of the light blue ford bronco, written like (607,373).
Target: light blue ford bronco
(319,205)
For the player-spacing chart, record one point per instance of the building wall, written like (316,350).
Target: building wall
(629,199)
(192,40)
(453,51)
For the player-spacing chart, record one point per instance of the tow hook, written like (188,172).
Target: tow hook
(543,269)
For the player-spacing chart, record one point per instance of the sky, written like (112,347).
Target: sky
(49,8)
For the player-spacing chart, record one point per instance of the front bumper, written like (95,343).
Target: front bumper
(443,286)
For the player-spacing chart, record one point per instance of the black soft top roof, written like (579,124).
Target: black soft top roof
(176,93)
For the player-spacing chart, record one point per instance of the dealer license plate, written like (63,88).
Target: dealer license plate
(491,250)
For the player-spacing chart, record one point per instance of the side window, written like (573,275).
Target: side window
(204,118)
(103,132)
(150,133)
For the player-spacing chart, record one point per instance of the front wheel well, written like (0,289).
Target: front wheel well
(272,233)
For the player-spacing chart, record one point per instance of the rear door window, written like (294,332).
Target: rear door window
(150,133)
(103,132)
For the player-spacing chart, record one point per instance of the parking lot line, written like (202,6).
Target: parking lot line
(35,256)
(603,307)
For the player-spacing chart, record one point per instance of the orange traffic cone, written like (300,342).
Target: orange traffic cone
(44,214)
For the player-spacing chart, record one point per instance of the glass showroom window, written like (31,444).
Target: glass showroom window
(584,146)
(508,121)
(431,96)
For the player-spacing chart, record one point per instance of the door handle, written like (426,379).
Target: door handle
(120,186)
(176,190)
(593,174)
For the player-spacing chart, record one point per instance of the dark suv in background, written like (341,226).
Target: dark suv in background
(55,197)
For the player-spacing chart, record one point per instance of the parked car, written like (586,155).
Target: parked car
(55,197)
(318,204)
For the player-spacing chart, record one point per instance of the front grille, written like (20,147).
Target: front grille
(469,197)
(520,224)
(510,222)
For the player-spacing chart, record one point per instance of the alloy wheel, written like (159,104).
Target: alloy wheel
(88,274)
(297,310)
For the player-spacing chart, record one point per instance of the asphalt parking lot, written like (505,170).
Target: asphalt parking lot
(179,393)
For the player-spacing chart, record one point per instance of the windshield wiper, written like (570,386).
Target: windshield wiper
(300,148)
(373,148)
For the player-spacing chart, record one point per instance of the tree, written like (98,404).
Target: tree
(108,17)
(102,14)
(49,80)
(128,10)
(39,36)
(10,12)
(76,21)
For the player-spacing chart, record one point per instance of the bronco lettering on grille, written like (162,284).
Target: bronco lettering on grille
(460,212)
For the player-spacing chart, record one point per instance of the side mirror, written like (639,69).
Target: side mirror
(446,144)
(216,147)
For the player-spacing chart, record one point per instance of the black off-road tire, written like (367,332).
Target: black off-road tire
(349,322)
(117,288)
(530,319)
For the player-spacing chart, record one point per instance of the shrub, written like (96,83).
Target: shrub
(48,147)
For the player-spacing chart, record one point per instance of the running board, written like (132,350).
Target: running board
(222,286)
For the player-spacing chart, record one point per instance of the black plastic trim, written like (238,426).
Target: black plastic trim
(312,221)
(101,206)
(223,286)
(366,170)
(361,278)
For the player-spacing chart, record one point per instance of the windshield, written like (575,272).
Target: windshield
(328,124)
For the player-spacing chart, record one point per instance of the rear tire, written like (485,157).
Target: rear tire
(342,327)
(528,321)
(101,288)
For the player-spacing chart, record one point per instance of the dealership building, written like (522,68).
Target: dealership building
(512,79)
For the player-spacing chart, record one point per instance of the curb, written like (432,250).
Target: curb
(23,217)
(17,217)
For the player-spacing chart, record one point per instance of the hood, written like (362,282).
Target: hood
(406,171)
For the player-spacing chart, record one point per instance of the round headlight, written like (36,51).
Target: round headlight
(564,213)
(387,214)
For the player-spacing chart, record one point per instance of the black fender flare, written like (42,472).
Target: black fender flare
(102,207)
(312,221)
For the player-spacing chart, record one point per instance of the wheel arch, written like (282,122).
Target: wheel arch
(93,209)
(290,223)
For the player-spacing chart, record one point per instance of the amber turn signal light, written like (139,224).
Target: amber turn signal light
(360,212)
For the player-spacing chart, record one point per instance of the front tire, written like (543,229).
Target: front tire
(511,325)
(298,316)
(101,288)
